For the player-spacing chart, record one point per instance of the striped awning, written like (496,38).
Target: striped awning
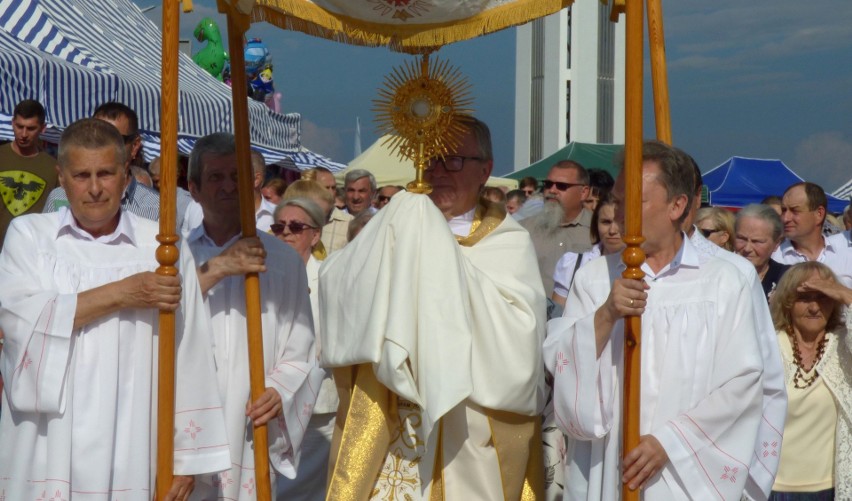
(845,191)
(301,157)
(73,55)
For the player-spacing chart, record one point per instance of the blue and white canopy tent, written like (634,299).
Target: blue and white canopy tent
(73,55)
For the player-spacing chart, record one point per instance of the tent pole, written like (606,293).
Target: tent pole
(167,252)
(659,75)
(633,255)
(238,24)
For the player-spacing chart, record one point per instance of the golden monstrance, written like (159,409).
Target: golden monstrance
(418,108)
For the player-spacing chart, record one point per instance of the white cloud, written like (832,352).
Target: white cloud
(825,158)
(322,140)
(734,33)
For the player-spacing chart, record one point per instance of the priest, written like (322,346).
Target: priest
(433,326)
(701,386)
(78,307)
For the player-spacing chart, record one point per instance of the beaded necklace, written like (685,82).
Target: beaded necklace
(800,381)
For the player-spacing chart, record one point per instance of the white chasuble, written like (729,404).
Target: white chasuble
(289,362)
(80,406)
(701,389)
(452,331)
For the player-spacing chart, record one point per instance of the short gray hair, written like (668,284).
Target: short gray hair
(315,214)
(91,134)
(764,213)
(354,175)
(217,144)
(480,132)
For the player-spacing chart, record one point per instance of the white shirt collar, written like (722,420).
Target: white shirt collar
(198,235)
(460,225)
(787,248)
(266,207)
(687,256)
(123,231)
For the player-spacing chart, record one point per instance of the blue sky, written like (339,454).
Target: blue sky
(768,79)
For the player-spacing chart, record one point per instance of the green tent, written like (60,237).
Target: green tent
(589,155)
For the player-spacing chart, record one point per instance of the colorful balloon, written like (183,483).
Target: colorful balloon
(212,57)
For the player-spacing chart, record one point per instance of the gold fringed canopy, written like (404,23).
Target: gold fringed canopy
(414,27)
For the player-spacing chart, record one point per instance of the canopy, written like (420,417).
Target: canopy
(388,168)
(73,55)
(740,181)
(589,155)
(405,26)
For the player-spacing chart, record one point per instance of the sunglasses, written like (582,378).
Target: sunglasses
(707,232)
(559,185)
(295,227)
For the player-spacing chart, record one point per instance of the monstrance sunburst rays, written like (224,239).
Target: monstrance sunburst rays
(419,107)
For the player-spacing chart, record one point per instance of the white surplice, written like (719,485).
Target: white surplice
(79,410)
(701,389)
(289,362)
(767,448)
(310,482)
(452,330)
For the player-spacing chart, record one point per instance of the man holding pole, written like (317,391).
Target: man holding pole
(701,367)
(78,307)
(292,377)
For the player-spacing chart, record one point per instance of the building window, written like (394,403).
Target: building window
(606,76)
(536,90)
(568,36)
(568,112)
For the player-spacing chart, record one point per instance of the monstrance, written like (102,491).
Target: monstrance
(419,109)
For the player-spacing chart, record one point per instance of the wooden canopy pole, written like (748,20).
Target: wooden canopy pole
(659,75)
(633,255)
(167,252)
(238,23)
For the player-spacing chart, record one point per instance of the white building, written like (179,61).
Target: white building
(569,83)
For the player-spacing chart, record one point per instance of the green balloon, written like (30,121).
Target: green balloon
(212,57)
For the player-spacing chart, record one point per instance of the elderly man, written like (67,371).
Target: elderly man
(563,224)
(455,369)
(137,198)
(359,185)
(78,307)
(803,209)
(701,365)
(288,339)
(26,172)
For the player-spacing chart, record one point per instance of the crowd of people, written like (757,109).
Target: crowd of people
(468,344)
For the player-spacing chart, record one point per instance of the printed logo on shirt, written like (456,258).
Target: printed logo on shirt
(20,190)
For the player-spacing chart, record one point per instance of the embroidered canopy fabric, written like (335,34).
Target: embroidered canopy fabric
(412,26)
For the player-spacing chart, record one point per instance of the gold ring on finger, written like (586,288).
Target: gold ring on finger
(631,302)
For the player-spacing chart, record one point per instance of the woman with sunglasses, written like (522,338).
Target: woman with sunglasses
(298,223)
(717,225)
(808,309)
